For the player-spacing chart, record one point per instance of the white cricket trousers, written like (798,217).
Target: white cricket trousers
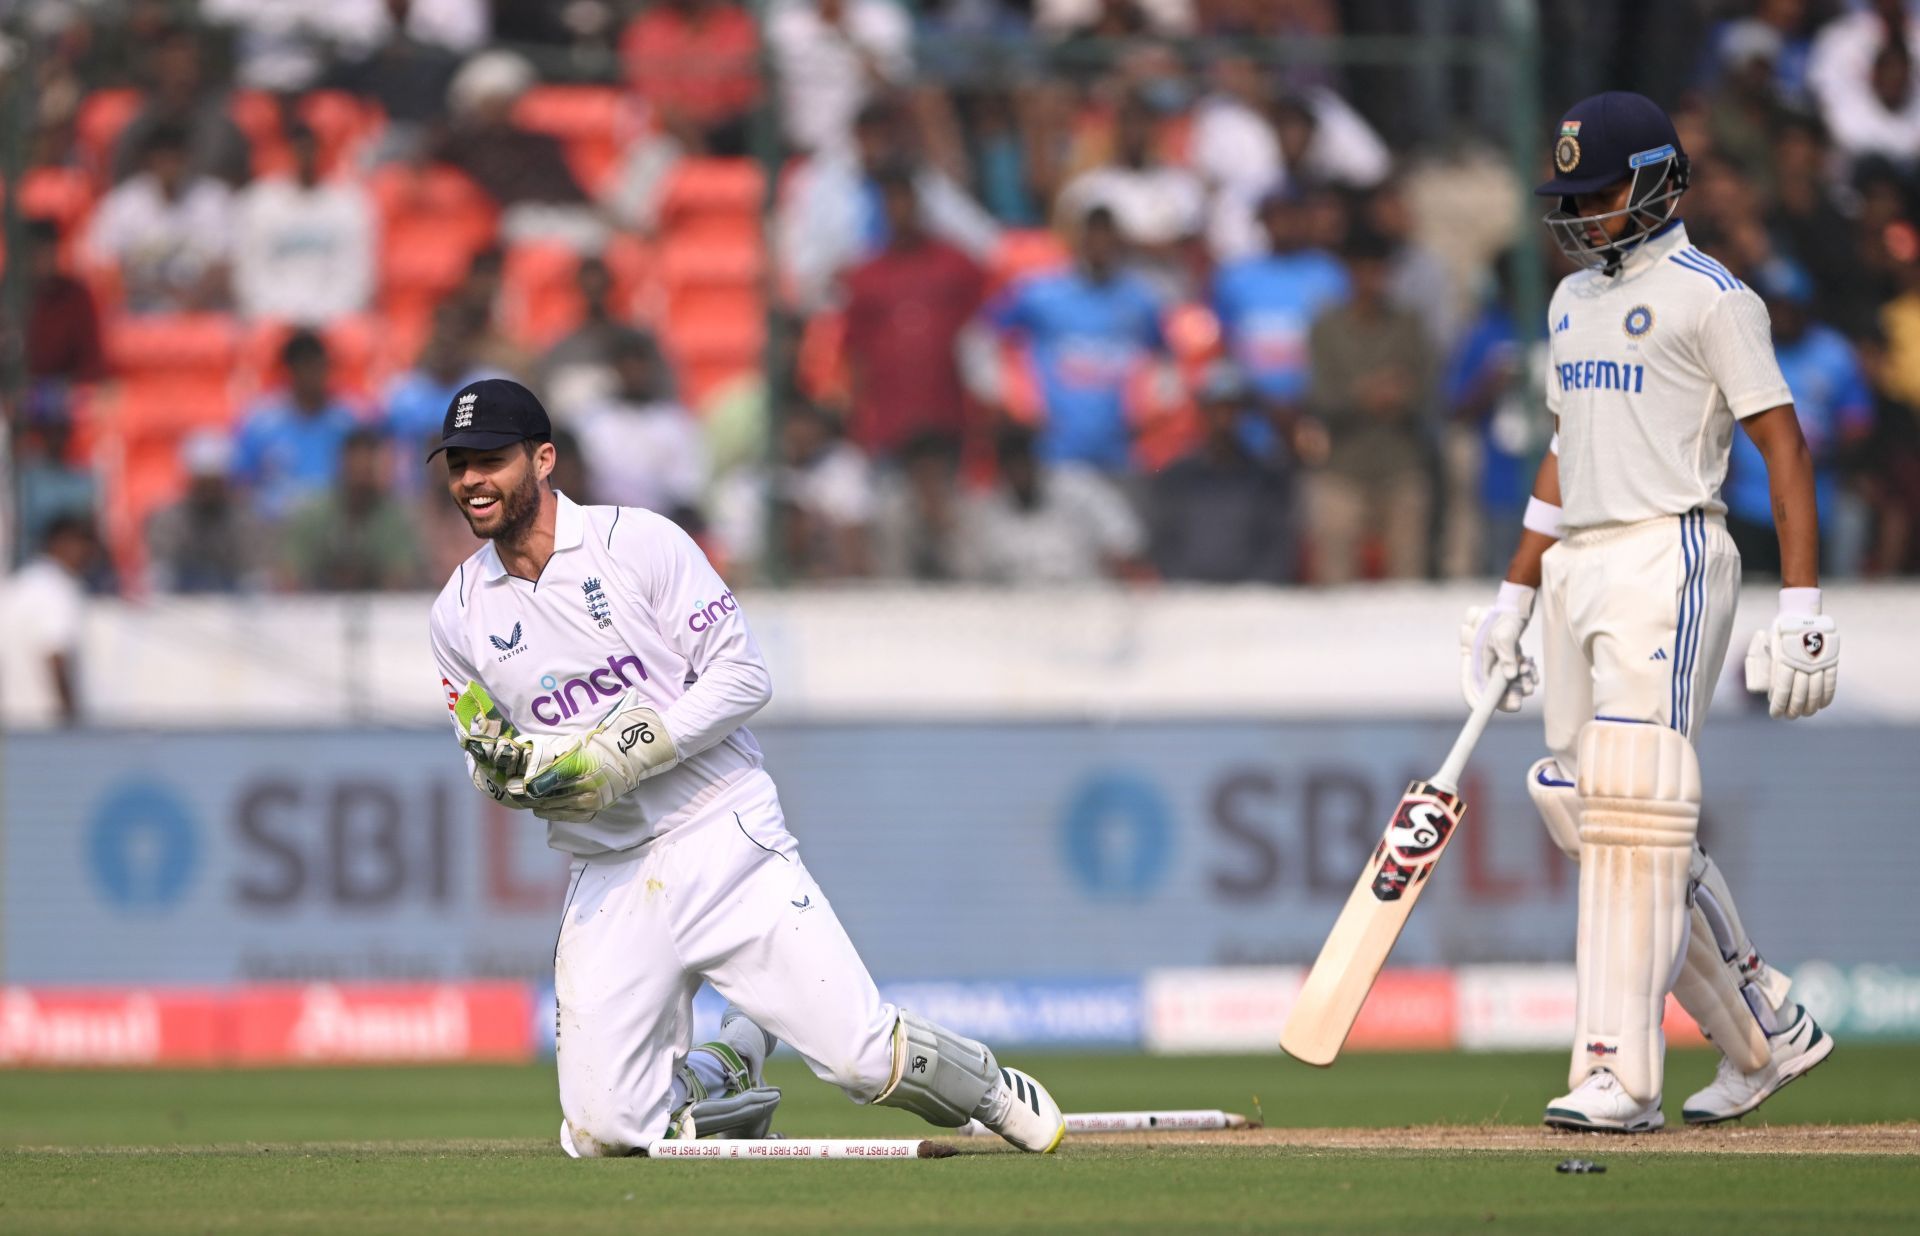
(723,898)
(1634,623)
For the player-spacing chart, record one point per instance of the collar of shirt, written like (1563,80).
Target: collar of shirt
(1670,238)
(569,529)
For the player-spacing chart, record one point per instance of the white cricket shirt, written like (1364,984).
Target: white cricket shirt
(626,601)
(42,610)
(1649,370)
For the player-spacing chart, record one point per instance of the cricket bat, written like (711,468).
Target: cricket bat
(1363,935)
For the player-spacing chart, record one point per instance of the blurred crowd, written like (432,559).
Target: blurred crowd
(1042,292)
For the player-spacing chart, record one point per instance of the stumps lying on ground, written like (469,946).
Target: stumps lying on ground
(769,1149)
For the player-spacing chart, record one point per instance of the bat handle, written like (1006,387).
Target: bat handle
(1448,778)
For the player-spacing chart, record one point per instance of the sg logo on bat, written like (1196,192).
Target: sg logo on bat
(1420,827)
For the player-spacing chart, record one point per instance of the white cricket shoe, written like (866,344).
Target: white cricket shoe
(1733,1093)
(1600,1105)
(1024,1113)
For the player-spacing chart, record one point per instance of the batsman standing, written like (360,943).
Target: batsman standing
(601,675)
(1657,351)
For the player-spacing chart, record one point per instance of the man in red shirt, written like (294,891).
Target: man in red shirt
(905,310)
(696,63)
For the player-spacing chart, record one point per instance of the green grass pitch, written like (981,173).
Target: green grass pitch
(471,1150)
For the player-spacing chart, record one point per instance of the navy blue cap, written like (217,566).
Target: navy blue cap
(1607,138)
(492,412)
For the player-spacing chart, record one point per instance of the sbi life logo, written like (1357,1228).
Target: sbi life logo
(143,850)
(1117,836)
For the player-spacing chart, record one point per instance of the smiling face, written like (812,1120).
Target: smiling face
(498,489)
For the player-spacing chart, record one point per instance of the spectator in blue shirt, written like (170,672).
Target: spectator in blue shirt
(416,402)
(288,447)
(1089,330)
(1835,407)
(1267,304)
(1480,393)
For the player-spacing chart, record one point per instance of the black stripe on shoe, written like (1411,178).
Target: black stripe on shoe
(1032,1095)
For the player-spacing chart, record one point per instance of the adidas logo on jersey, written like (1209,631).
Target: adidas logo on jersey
(1659,654)
(1564,324)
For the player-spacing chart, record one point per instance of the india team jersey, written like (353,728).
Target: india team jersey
(1649,370)
(626,602)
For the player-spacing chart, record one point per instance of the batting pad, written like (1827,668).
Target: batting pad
(1640,811)
(1713,985)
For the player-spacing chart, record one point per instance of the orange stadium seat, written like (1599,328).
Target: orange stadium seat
(591,121)
(357,346)
(62,194)
(820,364)
(176,373)
(341,122)
(444,196)
(258,116)
(103,280)
(633,266)
(403,336)
(723,231)
(173,343)
(163,405)
(433,221)
(102,117)
(1029,251)
(257,113)
(707,351)
(1193,335)
(703,279)
(699,187)
(540,293)
(151,476)
(341,126)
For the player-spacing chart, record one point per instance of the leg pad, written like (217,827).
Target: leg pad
(1725,986)
(1640,811)
(938,1075)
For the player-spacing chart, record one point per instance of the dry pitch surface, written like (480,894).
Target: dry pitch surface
(1734,1138)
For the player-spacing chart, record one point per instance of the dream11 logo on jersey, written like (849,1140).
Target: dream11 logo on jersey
(565,701)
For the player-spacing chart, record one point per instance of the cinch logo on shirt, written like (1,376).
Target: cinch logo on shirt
(1601,375)
(707,615)
(566,701)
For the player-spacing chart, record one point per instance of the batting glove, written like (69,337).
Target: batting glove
(1490,644)
(1795,663)
(574,778)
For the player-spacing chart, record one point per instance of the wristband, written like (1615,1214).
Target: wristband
(1542,517)
(1799,602)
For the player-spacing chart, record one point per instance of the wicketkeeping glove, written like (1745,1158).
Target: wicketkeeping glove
(572,778)
(1490,643)
(1795,662)
(496,748)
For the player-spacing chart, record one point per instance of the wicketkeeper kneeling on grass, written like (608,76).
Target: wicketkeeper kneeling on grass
(600,676)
